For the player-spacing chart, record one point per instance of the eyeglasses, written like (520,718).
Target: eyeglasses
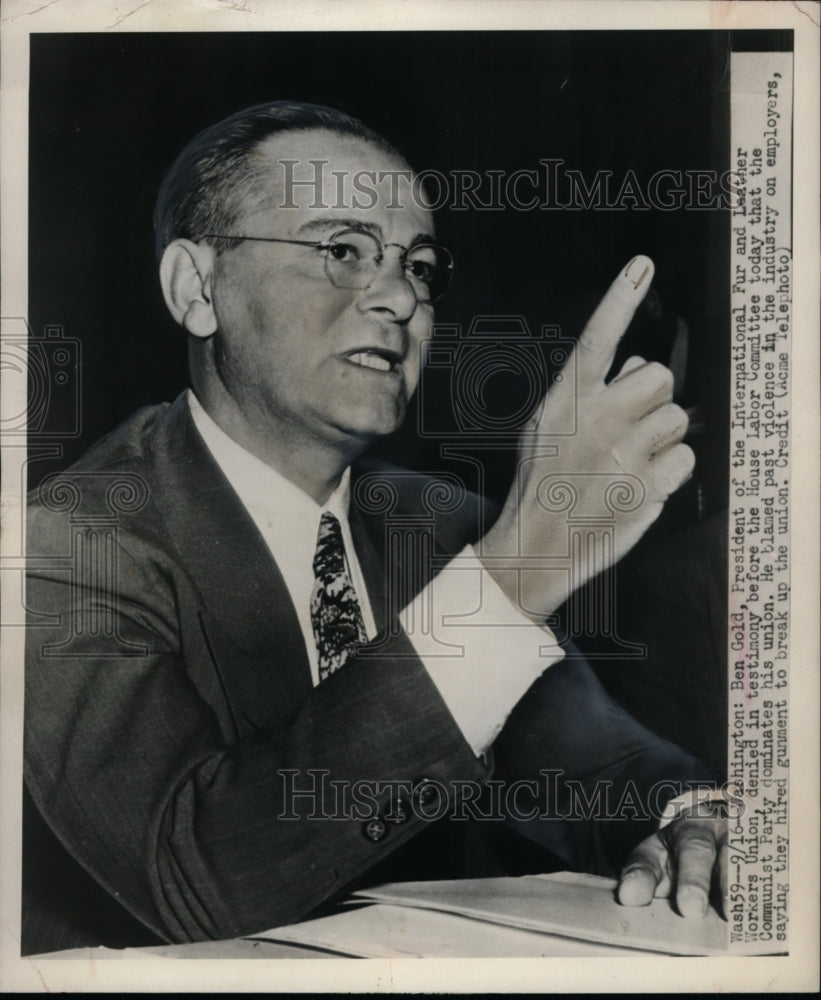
(353,258)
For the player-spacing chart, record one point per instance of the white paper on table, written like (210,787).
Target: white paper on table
(382,930)
(578,906)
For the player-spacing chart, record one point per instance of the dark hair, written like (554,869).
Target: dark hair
(203,192)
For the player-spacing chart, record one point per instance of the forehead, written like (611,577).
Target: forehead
(316,174)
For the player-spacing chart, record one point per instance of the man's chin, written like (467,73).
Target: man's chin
(367,427)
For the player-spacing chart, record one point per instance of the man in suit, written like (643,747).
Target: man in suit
(233,715)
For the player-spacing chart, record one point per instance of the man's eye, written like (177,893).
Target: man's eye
(421,270)
(345,252)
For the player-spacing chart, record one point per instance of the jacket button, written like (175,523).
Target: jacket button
(375,830)
(427,792)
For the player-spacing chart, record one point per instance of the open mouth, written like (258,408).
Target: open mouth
(375,358)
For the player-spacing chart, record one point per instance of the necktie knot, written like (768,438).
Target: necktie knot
(329,558)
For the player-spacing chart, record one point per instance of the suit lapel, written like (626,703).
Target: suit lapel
(369,539)
(247,617)
(249,620)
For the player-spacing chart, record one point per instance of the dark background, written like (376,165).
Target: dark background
(110,112)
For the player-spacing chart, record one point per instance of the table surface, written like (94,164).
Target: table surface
(561,915)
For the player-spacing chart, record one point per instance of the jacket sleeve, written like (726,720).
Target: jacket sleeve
(200,835)
(600,779)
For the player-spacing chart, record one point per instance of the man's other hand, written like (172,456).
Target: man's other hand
(688,858)
(608,479)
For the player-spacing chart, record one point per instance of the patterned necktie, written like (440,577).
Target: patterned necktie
(335,612)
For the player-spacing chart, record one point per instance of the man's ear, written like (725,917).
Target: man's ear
(186,270)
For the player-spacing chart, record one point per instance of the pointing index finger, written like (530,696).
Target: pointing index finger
(597,345)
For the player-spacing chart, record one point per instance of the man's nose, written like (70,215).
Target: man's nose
(389,290)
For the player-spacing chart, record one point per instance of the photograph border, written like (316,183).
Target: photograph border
(797,971)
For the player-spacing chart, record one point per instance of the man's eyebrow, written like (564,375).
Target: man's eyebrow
(336,224)
(422,238)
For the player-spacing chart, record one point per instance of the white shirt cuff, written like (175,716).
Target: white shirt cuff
(481,652)
(703,803)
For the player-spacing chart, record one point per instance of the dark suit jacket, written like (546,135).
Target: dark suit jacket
(673,598)
(168,688)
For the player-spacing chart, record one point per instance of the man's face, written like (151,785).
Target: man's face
(301,357)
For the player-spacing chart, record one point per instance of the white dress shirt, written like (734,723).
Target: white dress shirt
(480,651)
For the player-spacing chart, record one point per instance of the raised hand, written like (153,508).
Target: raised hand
(623,461)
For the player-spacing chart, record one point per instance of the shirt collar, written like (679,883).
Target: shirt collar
(263,490)
(288,520)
